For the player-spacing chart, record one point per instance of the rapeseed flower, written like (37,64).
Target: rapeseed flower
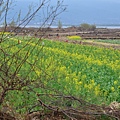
(74,37)
(97,90)
(113,89)
(90,86)
(85,86)
(115,82)
(92,82)
(75,80)
(80,83)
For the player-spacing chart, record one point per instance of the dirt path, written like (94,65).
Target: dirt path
(102,44)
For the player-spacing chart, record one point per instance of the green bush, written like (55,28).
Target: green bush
(85,26)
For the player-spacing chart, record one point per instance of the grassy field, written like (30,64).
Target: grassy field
(87,72)
(114,41)
(109,41)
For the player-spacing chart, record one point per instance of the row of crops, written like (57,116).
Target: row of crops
(89,72)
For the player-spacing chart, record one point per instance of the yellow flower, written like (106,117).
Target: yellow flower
(97,90)
(74,37)
(80,83)
(113,89)
(115,82)
(75,80)
(92,81)
(37,71)
(90,86)
(85,86)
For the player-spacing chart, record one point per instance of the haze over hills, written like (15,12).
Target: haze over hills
(99,12)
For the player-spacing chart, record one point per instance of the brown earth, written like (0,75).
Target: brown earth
(88,35)
(98,33)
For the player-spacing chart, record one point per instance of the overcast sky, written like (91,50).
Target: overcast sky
(96,11)
(91,11)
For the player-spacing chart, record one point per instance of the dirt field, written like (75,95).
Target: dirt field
(98,33)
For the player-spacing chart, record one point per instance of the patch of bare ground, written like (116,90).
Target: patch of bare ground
(101,44)
(6,116)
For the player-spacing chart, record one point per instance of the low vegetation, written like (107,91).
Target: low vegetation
(83,71)
(86,26)
(109,41)
(74,37)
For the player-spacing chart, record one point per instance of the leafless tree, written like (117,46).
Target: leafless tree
(11,62)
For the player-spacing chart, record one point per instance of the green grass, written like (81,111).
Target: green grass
(109,41)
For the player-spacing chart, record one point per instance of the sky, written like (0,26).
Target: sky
(93,11)
(82,11)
